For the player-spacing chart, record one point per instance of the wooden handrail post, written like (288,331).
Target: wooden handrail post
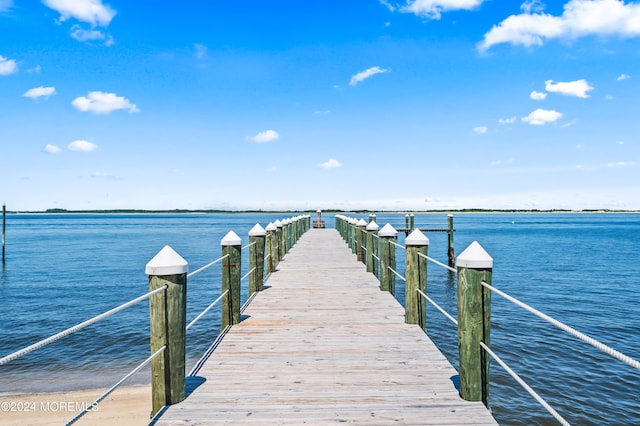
(271,248)
(278,241)
(168,316)
(474,322)
(412,222)
(360,236)
(353,236)
(416,276)
(232,248)
(372,247)
(257,235)
(387,258)
(4,227)
(450,252)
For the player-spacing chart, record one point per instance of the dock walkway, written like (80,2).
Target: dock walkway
(323,345)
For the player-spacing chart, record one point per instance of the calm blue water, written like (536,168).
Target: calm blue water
(581,268)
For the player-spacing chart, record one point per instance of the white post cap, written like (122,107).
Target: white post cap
(166,262)
(475,257)
(388,231)
(257,231)
(231,239)
(372,226)
(416,238)
(278,224)
(361,222)
(271,227)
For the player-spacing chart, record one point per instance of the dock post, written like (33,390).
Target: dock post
(416,276)
(278,241)
(271,248)
(372,247)
(257,235)
(474,322)
(353,239)
(168,315)
(450,252)
(232,248)
(360,239)
(412,222)
(4,227)
(387,258)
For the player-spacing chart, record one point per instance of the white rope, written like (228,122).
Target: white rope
(606,349)
(438,263)
(209,265)
(117,385)
(397,245)
(249,245)
(397,274)
(438,307)
(526,387)
(247,274)
(75,328)
(376,257)
(207,309)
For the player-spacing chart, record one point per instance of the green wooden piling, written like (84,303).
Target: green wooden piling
(387,258)
(416,276)
(278,241)
(232,249)
(272,257)
(372,247)
(257,237)
(474,322)
(451,252)
(360,239)
(4,227)
(167,310)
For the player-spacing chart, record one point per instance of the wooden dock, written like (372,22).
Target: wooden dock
(323,345)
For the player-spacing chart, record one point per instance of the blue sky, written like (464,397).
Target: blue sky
(418,104)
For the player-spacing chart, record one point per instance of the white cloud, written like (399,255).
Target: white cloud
(200,51)
(481,130)
(52,149)
(363,75)
(82,146)
(578,88)
(609,97)
(39,92)
(538,96)
(432,9)
(321,112)
(7,66)
(388,5)
(332,163)
(81,34)
(509,120)
(35,69)
(622,164)
(579,18)
(623,77)
(103,103)
(90,11)
(266,136)
(541,117)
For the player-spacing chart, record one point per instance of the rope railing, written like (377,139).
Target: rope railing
(77,327)
(116,386)
(247,274)
(207,309)
(248,245)
(430,259)
(207,266)
(397,274)
(526,387)
(589,340)
(397,245)
(438,307)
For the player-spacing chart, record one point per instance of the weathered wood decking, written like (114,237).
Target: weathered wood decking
(323,345)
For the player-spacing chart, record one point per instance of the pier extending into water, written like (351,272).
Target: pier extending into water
(323,344)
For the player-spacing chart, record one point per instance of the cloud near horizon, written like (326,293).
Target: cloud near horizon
(52,149)
(363,75)
(264,137)
(103,103)
(82,146)
(332,163)
(540,117)
(39,92)
(579,18)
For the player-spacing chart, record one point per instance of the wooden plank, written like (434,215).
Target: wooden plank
(323,345)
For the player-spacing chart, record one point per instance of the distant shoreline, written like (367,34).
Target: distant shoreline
(328,211)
